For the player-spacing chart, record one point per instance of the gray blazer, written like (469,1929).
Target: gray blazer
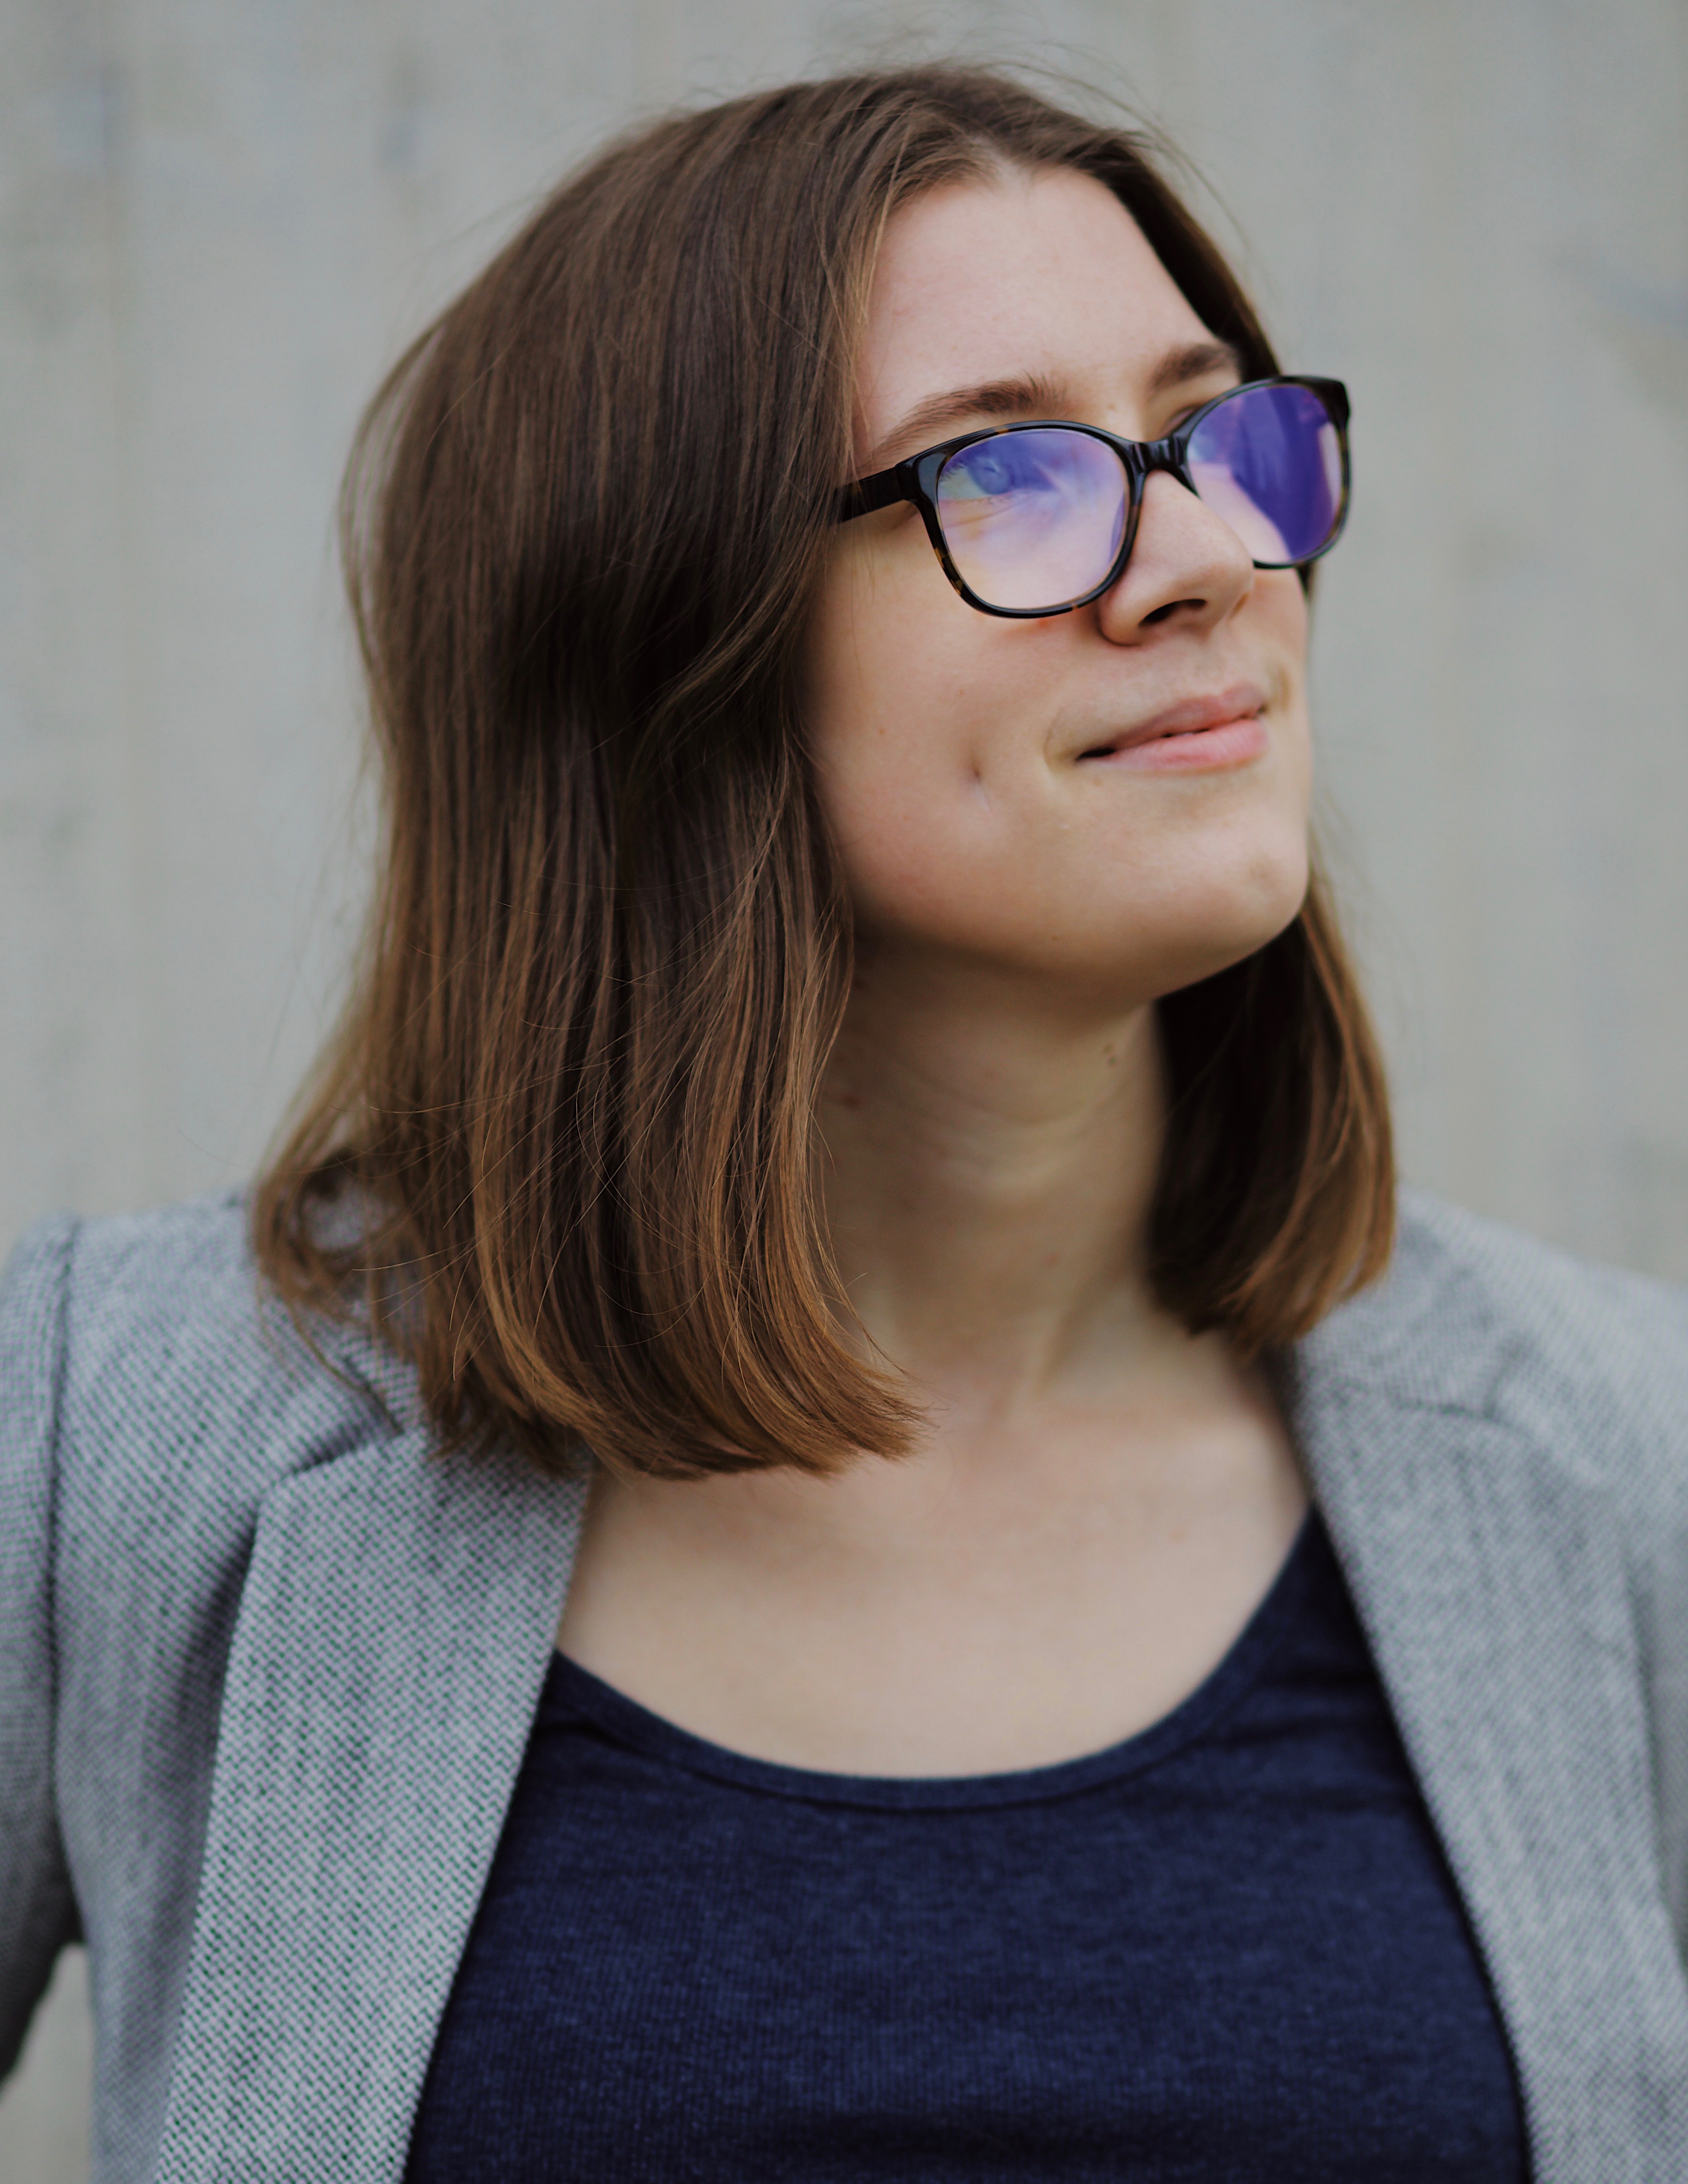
(267,1668)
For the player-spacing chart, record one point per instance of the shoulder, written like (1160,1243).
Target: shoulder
(1589,1362)
(152,1342)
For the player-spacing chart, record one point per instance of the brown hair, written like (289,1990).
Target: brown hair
(573,1094)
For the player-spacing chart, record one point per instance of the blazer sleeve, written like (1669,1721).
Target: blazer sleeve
(1660,1531)
(37,1906)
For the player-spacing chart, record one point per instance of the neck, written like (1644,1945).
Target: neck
(992,1156)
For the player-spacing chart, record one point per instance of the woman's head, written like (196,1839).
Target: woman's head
(660,734)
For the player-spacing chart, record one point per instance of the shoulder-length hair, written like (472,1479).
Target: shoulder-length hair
(574,1091)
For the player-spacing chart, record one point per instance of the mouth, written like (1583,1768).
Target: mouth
(1222,728)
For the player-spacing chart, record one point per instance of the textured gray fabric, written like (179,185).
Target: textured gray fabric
(267,1668)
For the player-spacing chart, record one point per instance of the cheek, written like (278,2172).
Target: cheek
(1277,608)
(1282,610)
(918,727)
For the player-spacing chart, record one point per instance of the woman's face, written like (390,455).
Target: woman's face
(1027,796)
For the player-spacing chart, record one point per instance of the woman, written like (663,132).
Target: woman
(810,1585)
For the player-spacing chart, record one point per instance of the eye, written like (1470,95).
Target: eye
(992,467)
(1008,463)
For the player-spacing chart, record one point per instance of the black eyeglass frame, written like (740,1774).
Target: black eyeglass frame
(915,479)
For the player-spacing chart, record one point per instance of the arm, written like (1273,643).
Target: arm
(37,1907)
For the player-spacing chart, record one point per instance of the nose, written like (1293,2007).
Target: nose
(1186,565)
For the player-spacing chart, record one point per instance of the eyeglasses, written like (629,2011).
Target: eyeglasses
(1036,519)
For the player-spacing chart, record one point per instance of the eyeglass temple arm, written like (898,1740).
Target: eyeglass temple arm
(868,493)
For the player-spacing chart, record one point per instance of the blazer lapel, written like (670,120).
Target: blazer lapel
(397,1619)
(1492,1587)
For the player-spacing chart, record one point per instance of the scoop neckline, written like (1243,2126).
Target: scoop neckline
(572,1692)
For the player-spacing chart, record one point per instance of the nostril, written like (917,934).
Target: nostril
(1160,614)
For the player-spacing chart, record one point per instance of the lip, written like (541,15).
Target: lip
(1223,729)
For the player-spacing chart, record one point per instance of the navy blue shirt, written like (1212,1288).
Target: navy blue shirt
(1228,1949)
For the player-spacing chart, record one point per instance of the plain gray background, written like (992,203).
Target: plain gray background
(219,219)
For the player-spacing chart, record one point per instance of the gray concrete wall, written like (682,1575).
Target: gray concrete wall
(218,217)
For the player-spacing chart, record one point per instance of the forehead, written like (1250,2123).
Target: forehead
(1043,272)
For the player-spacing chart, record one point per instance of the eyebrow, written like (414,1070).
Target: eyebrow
(1033,394)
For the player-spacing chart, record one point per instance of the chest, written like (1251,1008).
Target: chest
(395,1618)
(1226,1946)
(1044,1598)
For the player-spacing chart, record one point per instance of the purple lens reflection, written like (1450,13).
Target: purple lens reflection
(1269,461)
(1033,519)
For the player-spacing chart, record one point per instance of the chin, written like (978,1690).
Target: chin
(1178,944)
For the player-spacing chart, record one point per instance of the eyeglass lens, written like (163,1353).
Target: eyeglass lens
(1033,519)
